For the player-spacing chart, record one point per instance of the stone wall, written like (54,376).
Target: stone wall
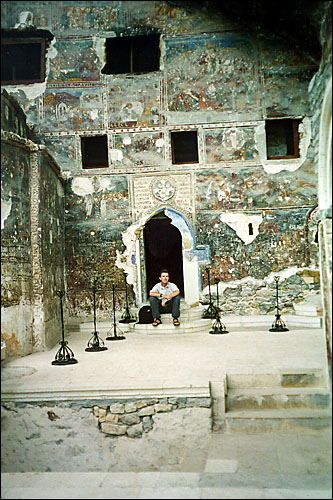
(216,78)
(32,243)
(51,437)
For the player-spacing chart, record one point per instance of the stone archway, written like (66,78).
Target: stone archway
(132,260)
(325,212)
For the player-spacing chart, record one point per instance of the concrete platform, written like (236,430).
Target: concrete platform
(242,465)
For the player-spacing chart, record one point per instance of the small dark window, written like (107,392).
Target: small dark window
(22,61)
(94,151)
(184,147)
(132,54)
(282,138)
(250,228)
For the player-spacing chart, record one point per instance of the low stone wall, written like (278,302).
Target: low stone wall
(133,418)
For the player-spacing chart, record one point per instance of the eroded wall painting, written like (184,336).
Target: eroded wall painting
(215,74)
(228,144)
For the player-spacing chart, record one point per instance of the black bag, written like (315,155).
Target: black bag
(145,315)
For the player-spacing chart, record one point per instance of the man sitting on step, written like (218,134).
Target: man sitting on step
(164,295)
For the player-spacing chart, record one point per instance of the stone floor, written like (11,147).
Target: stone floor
(267,465)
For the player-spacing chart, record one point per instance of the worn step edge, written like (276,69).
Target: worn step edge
(279,414)
(91,394)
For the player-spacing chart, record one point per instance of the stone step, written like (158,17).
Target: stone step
(266,320)
(304,397)
(199,325)
(307,377)
(275,420)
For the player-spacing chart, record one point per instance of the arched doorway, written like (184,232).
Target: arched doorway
(163,249)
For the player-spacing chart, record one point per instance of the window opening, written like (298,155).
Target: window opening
(22,61)
(132,54)
(282,138)
(94,152)
(184,146)
(250,228)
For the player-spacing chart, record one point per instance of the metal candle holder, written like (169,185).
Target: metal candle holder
(126,317)
(65,355)
(218,327)
(278,325)
(115,336)
(211,311)
(95,343)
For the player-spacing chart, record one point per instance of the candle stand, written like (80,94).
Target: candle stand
(114,336)
(211,311)
(126,317)
(64,355)
(278,325)
(95,343)
(218,327)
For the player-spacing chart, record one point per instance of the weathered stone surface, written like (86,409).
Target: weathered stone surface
(147,424)
(112,418)
(163,407)
(130,407)
(129,418)
(149,410)
(114,429)
(141,404)
(117,408)
(135,431)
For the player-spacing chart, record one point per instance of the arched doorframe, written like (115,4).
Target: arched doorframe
(325,212)
(132,260)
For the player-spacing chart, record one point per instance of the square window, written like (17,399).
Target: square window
(94,151)
(132,54)
(184,147)
(282,138)
(22,61)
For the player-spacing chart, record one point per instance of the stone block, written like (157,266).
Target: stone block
(147,424)
(149,410)
(141,404)
(130,407)
(135,431)
(114,429)
(117,408)
(130,418)
(112,418)
(163,407)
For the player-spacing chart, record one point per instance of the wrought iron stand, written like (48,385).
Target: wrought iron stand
(126,317)
(115,336)
(278,325)
(211,311)
(95,343)
(65,355)
(218,327)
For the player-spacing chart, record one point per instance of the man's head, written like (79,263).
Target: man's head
(164,276)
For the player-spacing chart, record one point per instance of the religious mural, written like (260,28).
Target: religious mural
(87,67)
(253,187)
(229,144)
(72,108)
(134,102)
(138,149)
(97,198)
(63,150)
(215,74)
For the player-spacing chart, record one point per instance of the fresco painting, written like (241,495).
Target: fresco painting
(229,144)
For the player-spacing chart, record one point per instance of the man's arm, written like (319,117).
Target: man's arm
(171,295)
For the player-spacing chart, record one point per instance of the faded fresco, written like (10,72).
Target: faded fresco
(252,187)
(97,198)
(229,144)
(15,227)
(134,102)
(280,244)
(138,149)
(279,86)
(79,16)
(72,109)
(63,150)
(87,64)
(213,76)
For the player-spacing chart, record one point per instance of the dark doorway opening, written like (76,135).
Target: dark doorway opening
(163,249)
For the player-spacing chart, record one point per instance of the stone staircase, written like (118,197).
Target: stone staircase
(191,321)
(267,402)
